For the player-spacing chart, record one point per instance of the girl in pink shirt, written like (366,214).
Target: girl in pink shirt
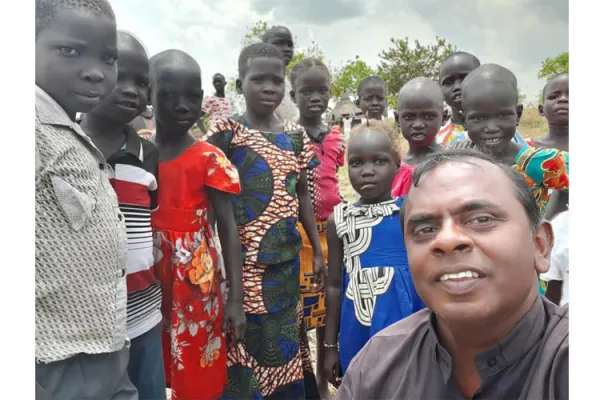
(420,112)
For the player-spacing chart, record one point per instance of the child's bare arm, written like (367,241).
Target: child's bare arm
(307,219)
(232,256)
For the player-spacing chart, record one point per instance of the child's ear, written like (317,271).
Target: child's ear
(541,110)
(293,96)
(202,95)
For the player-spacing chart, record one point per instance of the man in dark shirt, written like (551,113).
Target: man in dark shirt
(476,242)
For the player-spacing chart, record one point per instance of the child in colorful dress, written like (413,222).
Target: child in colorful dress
(369,285)
(420,113)
(272,157)
(192,175)
(490,98)
(311,83)
(217,106)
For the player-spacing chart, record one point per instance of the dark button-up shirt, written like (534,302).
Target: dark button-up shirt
(406,361)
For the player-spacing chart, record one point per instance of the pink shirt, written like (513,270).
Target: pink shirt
(403,180)
(217,108)
(322,181)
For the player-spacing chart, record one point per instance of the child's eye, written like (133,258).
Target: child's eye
(111,60)
(476,118)
(354,163)
(505,115)
(381,161)
(408,117)
(68,51)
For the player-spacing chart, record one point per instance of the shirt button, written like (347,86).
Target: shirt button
(120,217)
(123,272)
(492,362)
(101,166)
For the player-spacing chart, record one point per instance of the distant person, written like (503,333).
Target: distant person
(555,108)
(476,241)
(453,71)
(281,37)
(372,98)
(81,345)
(420,111)
(135,164)
(369,285)
(216,106)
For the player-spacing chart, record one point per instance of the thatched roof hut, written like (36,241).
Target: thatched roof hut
(344,108)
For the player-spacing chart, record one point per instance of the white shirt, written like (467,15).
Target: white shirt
(559,258)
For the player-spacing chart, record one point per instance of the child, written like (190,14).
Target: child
(453,71)
(80,242)
(135,164)
(555,109)
(369,285)
(372,94)
(281,37)
(420,112)
(192,175)
(272,157)
(490,98)
(311,83)
(217,106)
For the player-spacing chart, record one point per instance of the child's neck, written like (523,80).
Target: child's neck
(220,93)
(415,155)
(100,127)
(380,199)
(261,122)
(313,126)
(508,154)
(171,145)
(558,131)
(457,117)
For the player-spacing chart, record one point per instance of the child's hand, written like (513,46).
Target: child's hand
(234,315)
(332,366)
(319,274)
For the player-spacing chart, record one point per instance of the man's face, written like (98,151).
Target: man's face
(471,250)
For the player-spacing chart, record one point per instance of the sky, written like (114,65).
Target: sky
(518,34)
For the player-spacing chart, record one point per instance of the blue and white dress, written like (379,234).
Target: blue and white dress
(378,289)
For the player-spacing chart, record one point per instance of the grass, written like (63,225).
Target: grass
(531,125)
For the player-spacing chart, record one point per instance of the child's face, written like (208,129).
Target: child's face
(129,97)
(75,59)
(312,93)
(284,42)
(452,74)
(372,101)
(177,97)
(490,111)
(420,119)
(219,83)
(264,84)
(556,101)
(372,166)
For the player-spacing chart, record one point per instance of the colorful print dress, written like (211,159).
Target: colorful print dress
(190,268)
(378,289)
(270,362)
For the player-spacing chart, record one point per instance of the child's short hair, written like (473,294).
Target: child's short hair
(380,126)
(492,72)
(45,10)
(304,65)
(257,50)
(371,80)
(474,59)
(172,56)
(548,83)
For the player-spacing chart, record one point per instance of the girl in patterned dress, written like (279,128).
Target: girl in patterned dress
(188,257)
(369,285)
(310,90)
(272,157)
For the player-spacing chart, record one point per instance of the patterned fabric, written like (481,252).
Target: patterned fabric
(544,170)
(313,303)
(452,132)
(191,271)
(144,125)
(323,182)
(377,284)
(134,181)
(217,108)
(403,180)
(287,110)
(269,363)
(238,104)
(80,242)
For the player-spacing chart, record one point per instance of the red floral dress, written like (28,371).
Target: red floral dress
(190,267)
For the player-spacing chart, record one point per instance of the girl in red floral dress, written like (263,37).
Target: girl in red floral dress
(193,174)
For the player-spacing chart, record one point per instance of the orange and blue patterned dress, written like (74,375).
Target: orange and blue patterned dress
(190,268)
(270,363)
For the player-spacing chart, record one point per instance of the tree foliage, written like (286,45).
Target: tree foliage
(554,66)
(403,62)
(347,78)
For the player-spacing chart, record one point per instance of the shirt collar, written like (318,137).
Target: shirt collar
(517,343)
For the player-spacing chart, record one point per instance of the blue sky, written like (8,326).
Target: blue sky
(518,34)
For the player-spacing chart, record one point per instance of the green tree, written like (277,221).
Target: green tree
(403,62)
(346,78)
(554,66)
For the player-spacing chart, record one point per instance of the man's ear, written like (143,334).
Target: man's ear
(543,240)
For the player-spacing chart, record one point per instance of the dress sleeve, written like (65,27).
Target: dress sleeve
(220,174)
(221,133)
(341,146)
(308,156)
(547,167)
